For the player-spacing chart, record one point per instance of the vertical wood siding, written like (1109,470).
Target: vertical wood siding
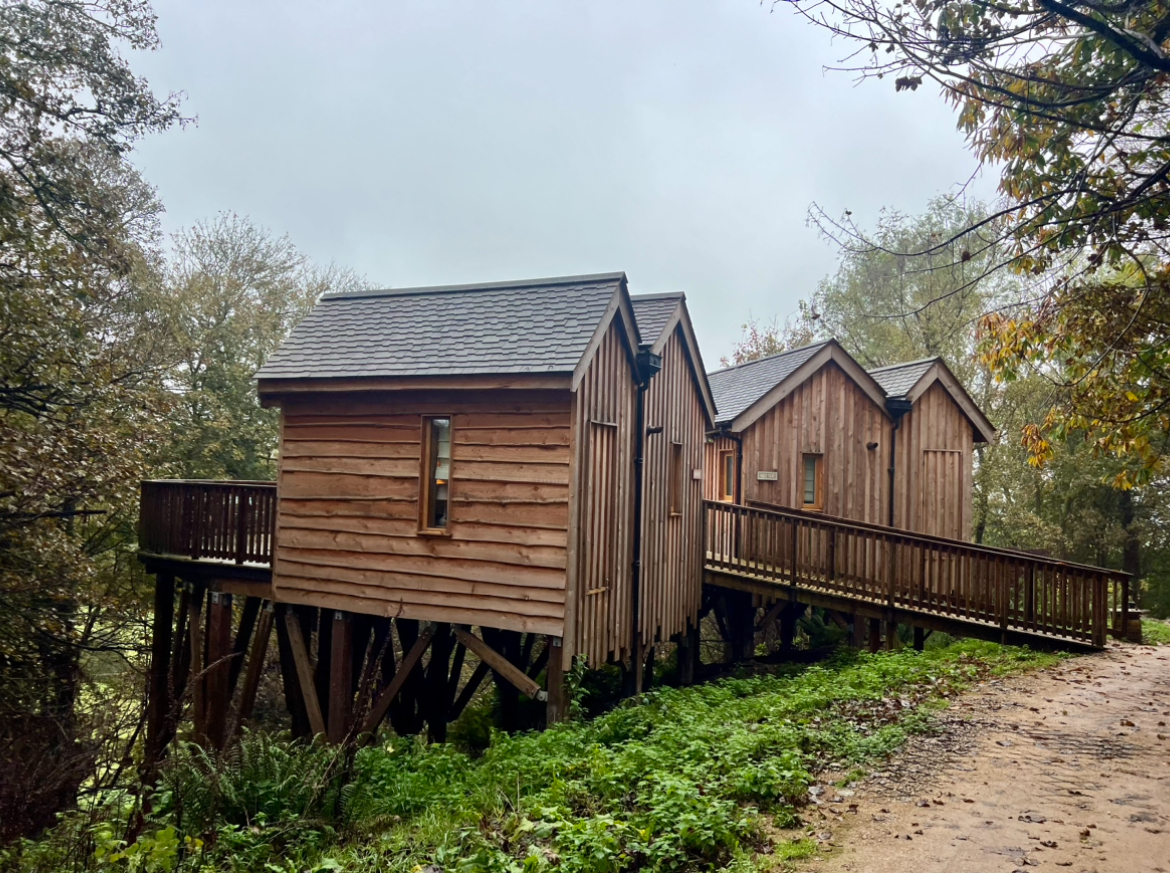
(348,522)
(713,449)
(598,618)
(671,584)
(827,415)
(932,491)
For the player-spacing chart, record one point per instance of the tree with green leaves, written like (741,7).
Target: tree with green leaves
(235,291)
(1067,100)
(81,353)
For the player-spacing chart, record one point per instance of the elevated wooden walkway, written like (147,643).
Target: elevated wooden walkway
(224,532)
(929,582)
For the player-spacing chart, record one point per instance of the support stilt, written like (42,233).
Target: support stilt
(875,634)
(293,698)
(919,639)
(217,691)
(340,673)
(256,659)
(891,635)
(300,653)
(159,689)
(556,707)
(243,639)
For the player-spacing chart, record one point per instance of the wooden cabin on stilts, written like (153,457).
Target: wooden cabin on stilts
(458,482)
(492,480)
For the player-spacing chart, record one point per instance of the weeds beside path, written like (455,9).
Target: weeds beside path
(1063,769)
(693,779)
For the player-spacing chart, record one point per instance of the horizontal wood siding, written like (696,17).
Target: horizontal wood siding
(671,584)
(598,620)
(828,414)
(348,521)
(935,448)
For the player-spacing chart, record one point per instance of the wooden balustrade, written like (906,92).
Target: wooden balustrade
(1013,590)
(207,520)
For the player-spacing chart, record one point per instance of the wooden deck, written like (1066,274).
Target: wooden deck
(224,531)
(884,573)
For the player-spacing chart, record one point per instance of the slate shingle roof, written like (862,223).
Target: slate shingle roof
(897,379)
(653,311)
(533,326)
(737,388)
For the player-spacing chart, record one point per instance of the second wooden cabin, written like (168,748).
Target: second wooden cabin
(811,429)
(467,455)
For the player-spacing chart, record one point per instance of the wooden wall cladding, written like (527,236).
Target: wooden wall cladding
(597,615)
(348,525)
(935,448)
(828,415)
(713,449)
(671,585)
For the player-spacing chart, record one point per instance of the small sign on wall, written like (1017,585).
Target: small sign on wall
(697,475)
(767,476)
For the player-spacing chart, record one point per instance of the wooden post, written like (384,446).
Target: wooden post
(323,618)
(255,666)
(410,660)
(300,653)
(340,674)
(788,618)
(859,629)
(217,697)
(891,635)
(405,716)
(243,638)
(438,684)
(687,651)
(158,700)
(556,707)
(919,638)
(875,634)
(195,635)
(293,698)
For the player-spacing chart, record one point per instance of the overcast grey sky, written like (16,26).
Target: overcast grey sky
(478,140)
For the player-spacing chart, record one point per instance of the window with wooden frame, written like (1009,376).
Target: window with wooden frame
(813,482)
(434,494)
(677,482)
(727,477)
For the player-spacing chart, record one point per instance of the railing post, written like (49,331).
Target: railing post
(795,547)
(1100,610)
(832,555)
(242,502)
(889,541)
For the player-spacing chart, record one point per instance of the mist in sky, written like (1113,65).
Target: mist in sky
(448,141)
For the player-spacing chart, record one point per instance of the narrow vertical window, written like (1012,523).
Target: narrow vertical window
(676,479)
(727,476)
(436,473)
(813,485)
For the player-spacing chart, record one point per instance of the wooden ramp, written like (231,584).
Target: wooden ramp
(929,582)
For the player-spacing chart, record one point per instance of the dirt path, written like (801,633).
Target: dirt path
(1064,769)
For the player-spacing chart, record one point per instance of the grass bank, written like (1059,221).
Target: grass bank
(686,780)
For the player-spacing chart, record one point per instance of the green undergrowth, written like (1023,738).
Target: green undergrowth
(1155,633)
(684,780)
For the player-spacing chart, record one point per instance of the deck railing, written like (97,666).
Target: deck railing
(208,521)
(1012,590)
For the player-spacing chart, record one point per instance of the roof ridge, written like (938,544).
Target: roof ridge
(476,286)
(769,357)
(660,295)
(931,359)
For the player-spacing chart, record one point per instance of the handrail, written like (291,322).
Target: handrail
(207,520)
(926,574)
(869,525)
